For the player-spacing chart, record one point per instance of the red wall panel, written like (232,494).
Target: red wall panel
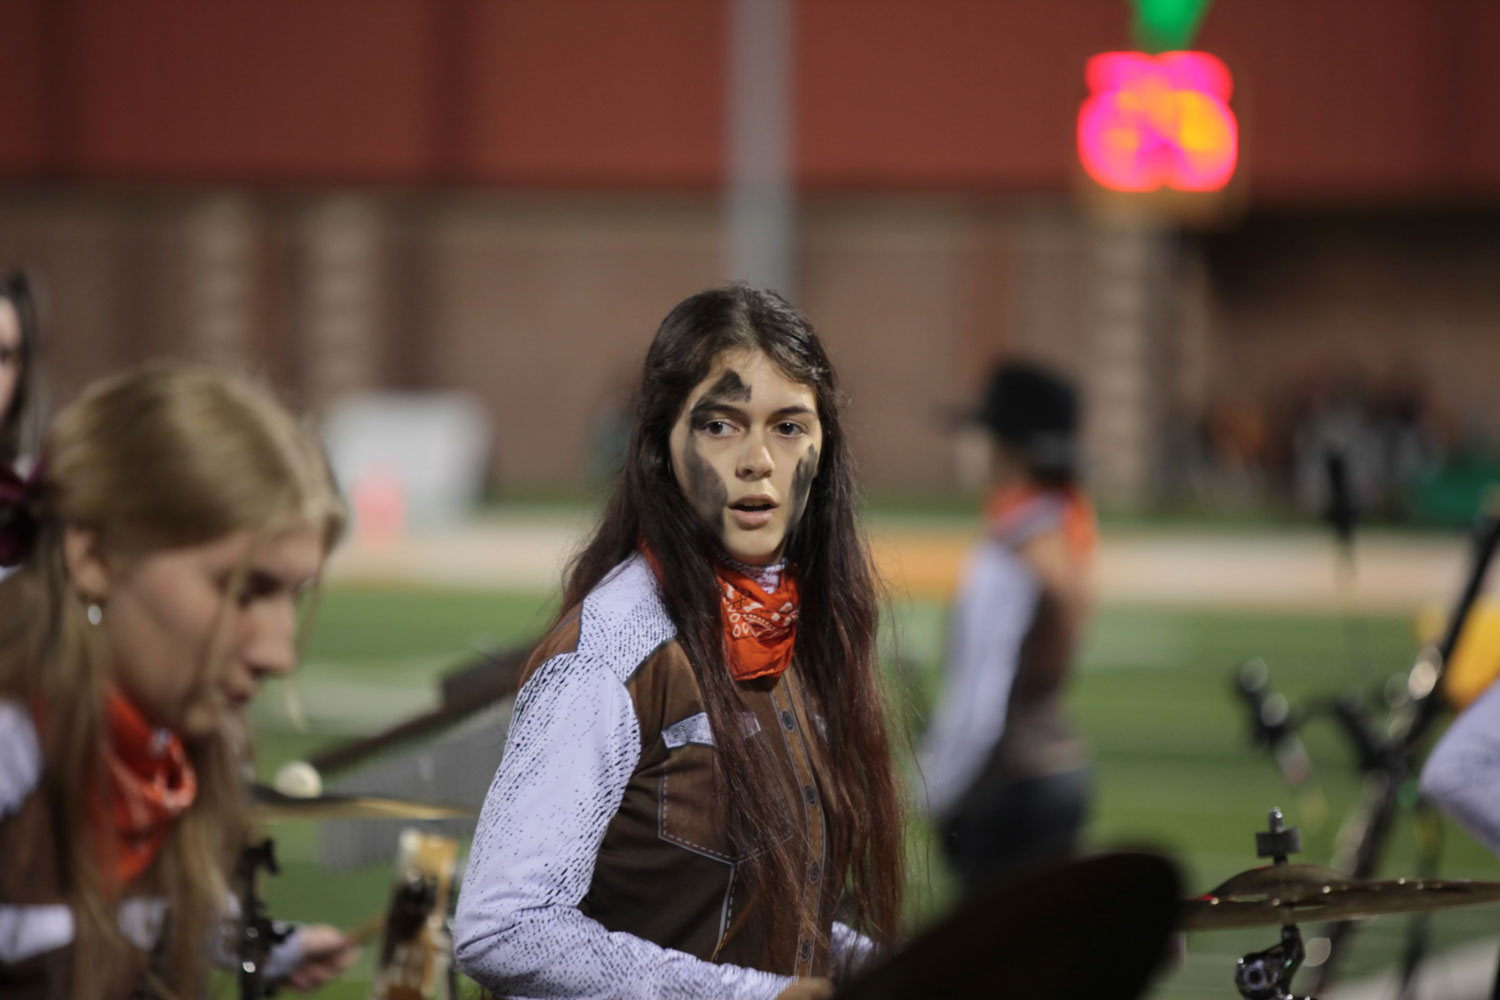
(1473,66)
(250,88)
(952,94)
(23,74)
(1337,99)
(597,91)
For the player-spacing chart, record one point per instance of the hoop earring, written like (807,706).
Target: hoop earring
(94,613)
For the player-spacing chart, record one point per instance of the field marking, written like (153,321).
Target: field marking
(1289,571)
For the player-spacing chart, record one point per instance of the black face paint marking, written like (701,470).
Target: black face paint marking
(705,490)
(731,387)
(802,480)
(728,388)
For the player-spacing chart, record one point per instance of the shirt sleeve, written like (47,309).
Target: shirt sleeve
(286,954)
(1462,774)
(995,605)
(853,952)
(20,757)
(574,742)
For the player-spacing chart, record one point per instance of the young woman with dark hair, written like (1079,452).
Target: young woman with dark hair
(697,773)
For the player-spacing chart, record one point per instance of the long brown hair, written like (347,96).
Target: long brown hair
(154,459)
(835,646)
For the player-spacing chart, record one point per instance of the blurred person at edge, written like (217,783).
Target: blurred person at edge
(1462,774)
(1006,777)
(17,368)
(17,362)
(158,571)
(697,770)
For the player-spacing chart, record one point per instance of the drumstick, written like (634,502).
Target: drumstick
(362,932)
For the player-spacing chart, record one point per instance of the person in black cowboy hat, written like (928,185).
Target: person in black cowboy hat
(1006,778)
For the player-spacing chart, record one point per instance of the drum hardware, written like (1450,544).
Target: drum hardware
(1284,893)
(257,933)
(271,806)
(415,961)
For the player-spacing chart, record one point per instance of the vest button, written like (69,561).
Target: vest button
(810,795)
(786,720)
(814,871)
(806,950)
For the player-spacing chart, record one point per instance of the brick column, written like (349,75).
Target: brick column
(1124,377)
(221,234)
(342,288)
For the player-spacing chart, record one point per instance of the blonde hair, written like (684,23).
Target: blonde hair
(153,459)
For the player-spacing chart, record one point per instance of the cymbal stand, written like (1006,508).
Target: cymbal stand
(1388,756)
(258,934)
(1267,975)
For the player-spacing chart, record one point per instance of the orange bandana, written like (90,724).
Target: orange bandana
(760,628)
(1007,510)
(151,783)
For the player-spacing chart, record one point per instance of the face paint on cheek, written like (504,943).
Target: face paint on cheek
(705,490)
(802,480)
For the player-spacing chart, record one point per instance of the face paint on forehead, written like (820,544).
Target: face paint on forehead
(730,386)
(802,480)
(727,388)
(705,490)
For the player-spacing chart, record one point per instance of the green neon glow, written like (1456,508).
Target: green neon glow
(1167,25)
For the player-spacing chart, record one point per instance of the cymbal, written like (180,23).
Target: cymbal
(1291,894)
(1091,928)
(272,806)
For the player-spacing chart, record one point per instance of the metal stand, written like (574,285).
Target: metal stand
(1267,975)
(258,935)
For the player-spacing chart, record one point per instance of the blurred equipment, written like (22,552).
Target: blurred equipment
(1088,929)
(298,779)
(1283,893)
(272,806)
(257,934)
(408,459)
(1272,726)
(416,951)
(1340,513)
(448,754)
(1387,757)
(1475,663)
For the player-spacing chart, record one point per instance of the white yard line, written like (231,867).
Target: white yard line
(1290,572)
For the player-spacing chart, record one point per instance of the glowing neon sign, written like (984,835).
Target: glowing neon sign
(1158,121)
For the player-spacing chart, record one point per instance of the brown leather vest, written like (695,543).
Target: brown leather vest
(665,871)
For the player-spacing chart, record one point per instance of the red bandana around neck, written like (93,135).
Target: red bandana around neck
(760,627)
(151,783)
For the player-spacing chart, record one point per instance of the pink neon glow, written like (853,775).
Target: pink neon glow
(1158,121)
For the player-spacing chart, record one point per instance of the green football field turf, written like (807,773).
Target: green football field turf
(1174,769)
